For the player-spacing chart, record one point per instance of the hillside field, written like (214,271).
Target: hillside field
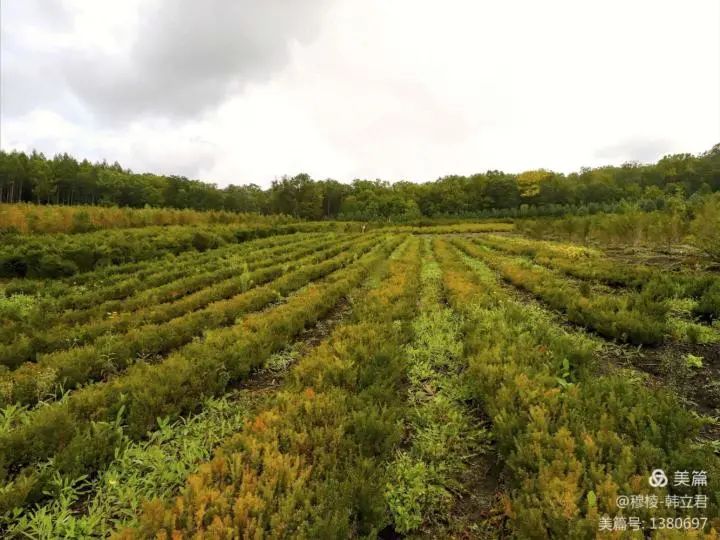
(221,377)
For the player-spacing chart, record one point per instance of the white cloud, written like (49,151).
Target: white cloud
(406,89)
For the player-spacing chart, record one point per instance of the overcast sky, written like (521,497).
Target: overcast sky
(240,91)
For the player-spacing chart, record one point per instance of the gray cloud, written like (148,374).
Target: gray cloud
(403,89)
(636,149)
(27,88)
(31,68)
(189,156)
(189,55)
(45,14)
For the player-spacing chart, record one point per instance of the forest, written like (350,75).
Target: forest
(66,180)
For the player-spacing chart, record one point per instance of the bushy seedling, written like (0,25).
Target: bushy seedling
(570,448)
(629,317)
(175,386)
(310,466)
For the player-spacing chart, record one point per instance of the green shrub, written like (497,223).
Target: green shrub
(708,306)
(311,466)
(570,448)
(81,222)
(54,266)
(706,227)
(202,241)
(175,386)
(626,317)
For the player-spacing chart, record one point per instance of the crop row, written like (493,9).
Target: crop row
(627,317)
(456,228)
(311,466)
(69,303)
(151,295)
(111,274)
(214,261)
(589,264)
(152,468)
(113,353)
(66,255)
(49,337)
(27,218)
(518,245)
(89,507)
(163,287)
(117,282)
(39,303)
(444,437)
(573,439)
(80,433)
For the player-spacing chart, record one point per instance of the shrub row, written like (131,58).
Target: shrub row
(156,467)
(33,218)
(211,274)
(62,255)
(457,228)
(311,466)
(80,432)
(48,338)
(105,276)
(631,227)
(589,264)
(162,287)
(168,275)
(629,318)
(90,507)
(109,282)
(21,313)
(574,439)
(112,354)
(522,246)
(66,255)
(50,301)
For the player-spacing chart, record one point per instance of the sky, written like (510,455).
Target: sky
(241,91)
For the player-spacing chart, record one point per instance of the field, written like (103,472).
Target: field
(268,378)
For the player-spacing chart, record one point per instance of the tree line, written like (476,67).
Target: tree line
(63,179)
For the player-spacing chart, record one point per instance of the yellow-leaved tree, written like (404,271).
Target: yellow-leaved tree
(529,182)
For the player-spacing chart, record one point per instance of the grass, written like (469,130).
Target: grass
(444,436)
